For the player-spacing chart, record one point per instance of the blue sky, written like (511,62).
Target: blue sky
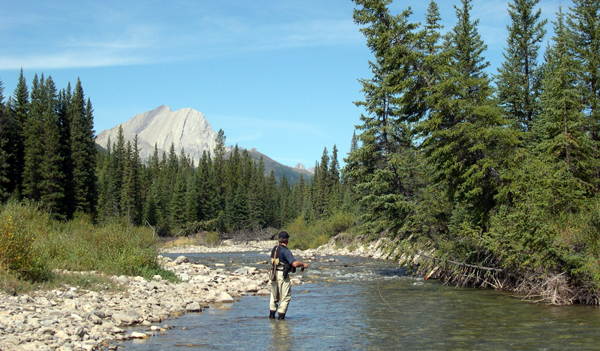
(280,76)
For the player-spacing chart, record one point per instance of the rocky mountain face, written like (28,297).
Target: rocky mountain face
(185,128)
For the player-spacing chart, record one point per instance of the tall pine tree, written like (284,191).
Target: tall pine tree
(519,78)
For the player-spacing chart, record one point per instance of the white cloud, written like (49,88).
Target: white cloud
(121,36)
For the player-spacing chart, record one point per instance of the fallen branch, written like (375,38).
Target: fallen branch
(497,270)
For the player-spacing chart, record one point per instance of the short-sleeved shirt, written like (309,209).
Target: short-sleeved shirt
(284,254)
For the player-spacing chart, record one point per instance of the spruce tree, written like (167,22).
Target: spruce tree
(34,137)
(561,128)
(583,23)
(19,110)
(51,184)
(271,201)
(64,125)
(219,165)
(83,159)
(256,195)
(464,133)
(519,78)
(5,166)
(238,209)
(394,100)
(131,197)
(178,201)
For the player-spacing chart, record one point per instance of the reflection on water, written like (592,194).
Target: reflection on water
(370,305)
(280,336)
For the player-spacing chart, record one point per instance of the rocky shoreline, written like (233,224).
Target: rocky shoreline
(71,318)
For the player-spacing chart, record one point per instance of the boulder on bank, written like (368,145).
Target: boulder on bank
(181,259)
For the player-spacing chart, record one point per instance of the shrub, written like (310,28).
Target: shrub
(313,235)
(18,255)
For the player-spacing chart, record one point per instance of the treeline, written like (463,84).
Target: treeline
(225,194)
(492,178)
(48,156)
(47,151)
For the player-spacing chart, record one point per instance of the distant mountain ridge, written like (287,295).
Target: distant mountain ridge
(185,128)
(291,174)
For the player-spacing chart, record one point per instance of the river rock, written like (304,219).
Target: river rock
(123,318)
(136,335)
(263,292)
(134,314)
(181,259)
(193,307)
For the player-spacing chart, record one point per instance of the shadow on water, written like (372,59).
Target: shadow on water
(357,303)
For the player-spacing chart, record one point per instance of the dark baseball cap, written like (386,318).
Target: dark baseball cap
(283,235)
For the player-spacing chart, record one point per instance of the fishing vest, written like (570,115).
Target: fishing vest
(279,265)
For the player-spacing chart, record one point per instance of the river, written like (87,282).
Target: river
(364,304)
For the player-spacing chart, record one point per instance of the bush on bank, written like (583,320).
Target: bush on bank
(310,235)
(32,244)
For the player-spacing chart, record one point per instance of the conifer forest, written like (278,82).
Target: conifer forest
(481,178)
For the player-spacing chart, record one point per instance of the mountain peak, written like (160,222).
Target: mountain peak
(185,128)
(300,166)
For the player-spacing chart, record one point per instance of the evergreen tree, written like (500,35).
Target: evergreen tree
(178,202)
(108,206)
(561,128)
(519,78)
(219,165)
(464,133)
(83,159)
(131,197)
(64,126)
(322,186)
(51,184)
(34,137)
(5,166)
(583,23)
(238,209)
(19,111)
(271,207)
(256,195)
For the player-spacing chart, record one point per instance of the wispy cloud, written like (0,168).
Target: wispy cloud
(122,36)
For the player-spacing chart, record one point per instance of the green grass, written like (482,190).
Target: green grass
(312,235)
(32,245)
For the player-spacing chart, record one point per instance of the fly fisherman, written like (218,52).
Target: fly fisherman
(282,263)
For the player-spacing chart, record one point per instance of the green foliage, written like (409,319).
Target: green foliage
(312,235)
(32,244)
(505,179)
(19,256)
(519,78)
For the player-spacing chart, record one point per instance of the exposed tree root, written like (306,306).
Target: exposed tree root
(548,288)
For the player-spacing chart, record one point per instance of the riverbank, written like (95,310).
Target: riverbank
(71,318)
(358,249)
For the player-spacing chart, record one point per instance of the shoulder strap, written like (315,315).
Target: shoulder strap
(274,262)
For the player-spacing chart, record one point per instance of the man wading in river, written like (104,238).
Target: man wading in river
(282,263)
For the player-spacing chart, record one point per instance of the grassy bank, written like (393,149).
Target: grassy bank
(310,235)
(33,245)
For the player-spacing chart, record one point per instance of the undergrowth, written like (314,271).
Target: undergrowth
(32,245)
(305,235)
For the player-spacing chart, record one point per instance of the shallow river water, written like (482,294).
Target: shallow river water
(364,304)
